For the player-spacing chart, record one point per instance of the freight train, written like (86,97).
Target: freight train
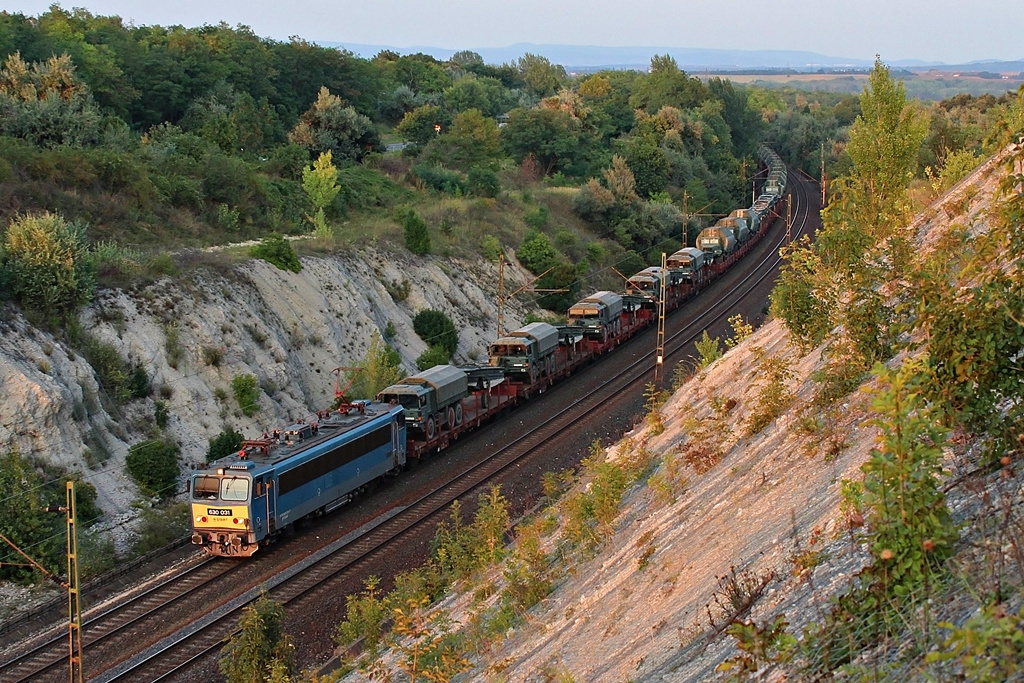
(313,466)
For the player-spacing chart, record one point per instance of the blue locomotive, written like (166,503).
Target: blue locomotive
(308,467)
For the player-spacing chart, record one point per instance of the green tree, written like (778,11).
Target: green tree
(649,165)
(247,393)
(23,521)
(911,530)
(154,466)
(667,85)
(536,252)
(320,183)
(46,259)
(541,77)
(261,649)
(329,124)
(224,444)
(884,142)
(379,368)
(417,236)
(46,104)
(473,140)
(550,136)
(436,329)
(417,126)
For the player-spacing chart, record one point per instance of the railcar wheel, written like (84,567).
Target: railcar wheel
(458,414)
(431,428)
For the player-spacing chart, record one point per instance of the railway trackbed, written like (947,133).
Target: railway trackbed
(113,638)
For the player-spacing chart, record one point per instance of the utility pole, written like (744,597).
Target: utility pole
(824,182)
(789,218)
(660,352)
(686,217)
(74,601)
(74,604)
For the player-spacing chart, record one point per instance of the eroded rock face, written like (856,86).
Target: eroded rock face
(194,335)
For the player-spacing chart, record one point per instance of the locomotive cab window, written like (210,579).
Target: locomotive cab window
(205,487)
(234,488)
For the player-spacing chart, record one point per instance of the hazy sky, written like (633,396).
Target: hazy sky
(950,31)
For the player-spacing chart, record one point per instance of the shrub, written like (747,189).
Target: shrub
(275,249)
(417,236)
(161,414)
(434,355)
(708,350)
(247,393)
(161,526)
(154,466)
(260,646)
(120,380)
(47,264)
(491,248)
(441,180)
(484,182)
(536,252)
(224,444)
(437,329)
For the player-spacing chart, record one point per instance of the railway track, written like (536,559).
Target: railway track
(178,651)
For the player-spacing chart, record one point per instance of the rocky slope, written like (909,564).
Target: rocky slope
(193,335)
(753,535)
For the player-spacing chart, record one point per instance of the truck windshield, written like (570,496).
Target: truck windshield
(205,487)
(234,488)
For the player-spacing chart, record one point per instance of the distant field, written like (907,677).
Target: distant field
(931,85)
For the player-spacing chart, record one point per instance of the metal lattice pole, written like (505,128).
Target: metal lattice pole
(74,603)
(660,355)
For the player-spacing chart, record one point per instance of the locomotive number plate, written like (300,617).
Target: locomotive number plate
(218,512)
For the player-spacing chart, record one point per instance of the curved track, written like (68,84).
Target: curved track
(116,629)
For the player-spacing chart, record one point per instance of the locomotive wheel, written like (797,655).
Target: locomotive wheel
(431,428)
(458,414)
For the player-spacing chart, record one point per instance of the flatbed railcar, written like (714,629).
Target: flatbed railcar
(312,467)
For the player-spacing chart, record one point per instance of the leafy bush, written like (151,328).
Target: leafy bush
(537,218)
(417,237)
(441,180)
(121,380)
(161,526)
(154,466)
(536,252)
(437,329)
(247,393)
(224,444)
(483,182)
(161,414)
(47,264)
(275,249)
(491,248)
(434,355)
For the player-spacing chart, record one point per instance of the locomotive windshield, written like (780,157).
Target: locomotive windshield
(234,488)
(205,487)
(210,487)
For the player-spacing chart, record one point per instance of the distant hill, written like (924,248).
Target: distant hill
(592,57)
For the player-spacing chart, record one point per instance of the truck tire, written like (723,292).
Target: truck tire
(451,418)
(431,428)
(458,414)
